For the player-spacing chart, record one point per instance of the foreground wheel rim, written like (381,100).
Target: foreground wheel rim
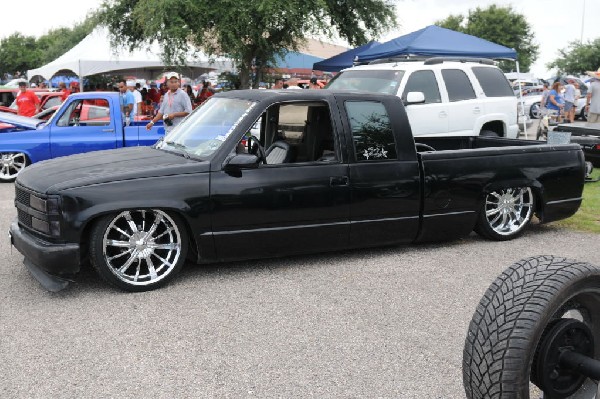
(142,247)
(11,165)
(535,111)
(508,211)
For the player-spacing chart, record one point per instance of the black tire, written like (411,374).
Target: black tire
(514,313)
(535,111)
(156,253)
(488,133)
(515,224)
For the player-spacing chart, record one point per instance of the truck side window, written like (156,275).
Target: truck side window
(425,82)
(90,112)
(458,85)
(371,131)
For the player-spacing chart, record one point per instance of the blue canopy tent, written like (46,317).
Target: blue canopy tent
(436,41)
(342,60)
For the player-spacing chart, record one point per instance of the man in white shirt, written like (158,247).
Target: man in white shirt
(137,104)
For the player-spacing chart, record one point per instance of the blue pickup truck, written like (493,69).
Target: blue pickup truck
(85,122)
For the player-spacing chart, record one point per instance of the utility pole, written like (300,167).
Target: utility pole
(582,23)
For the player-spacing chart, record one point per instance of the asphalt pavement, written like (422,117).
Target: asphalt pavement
(386,322)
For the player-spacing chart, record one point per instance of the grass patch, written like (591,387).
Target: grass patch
(587,217)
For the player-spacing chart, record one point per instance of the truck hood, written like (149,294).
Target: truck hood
(99,167)
(21,122)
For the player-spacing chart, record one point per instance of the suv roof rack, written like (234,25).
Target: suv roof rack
(440,60)
(404,58)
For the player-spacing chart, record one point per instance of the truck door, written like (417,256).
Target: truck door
(431,117)
(85,125)
(384,172)
(299,201)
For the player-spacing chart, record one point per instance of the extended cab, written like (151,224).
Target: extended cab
(461,97)
(85,122)
(329,170)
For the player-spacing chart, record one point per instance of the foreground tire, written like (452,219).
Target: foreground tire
(505,213)
(503,344)
(11,164)
(138,250)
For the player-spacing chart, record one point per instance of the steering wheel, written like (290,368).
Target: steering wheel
(254,147)
(424,147)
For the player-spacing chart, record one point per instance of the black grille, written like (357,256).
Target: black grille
(22,196)
(24,218)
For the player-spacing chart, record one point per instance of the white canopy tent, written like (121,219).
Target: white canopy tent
(94,55)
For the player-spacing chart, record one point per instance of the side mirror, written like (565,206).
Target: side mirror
(415,97)
(242,161)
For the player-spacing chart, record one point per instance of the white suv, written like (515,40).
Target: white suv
(459,97)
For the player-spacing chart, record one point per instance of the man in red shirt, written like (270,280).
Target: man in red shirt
(65,92)
(28,103)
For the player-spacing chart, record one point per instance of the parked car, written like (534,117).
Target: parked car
(85,122)
(48,99)
(8,95)
(340,170)
(461,98)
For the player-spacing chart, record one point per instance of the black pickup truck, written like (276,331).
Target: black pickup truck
(265,173)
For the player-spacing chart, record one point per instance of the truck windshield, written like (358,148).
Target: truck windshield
(375,81)
(203,132)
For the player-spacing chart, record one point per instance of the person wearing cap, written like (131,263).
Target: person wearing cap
(28,104)
(175,105)
(127,101)
(137,98)
(65,92)
(592,103)
(314,85)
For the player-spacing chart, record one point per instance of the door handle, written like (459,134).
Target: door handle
(443,114)
(338,181)
(108,130)
(476,110)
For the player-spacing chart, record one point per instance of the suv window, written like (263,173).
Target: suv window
(458,85)
(425,82)
(375,81)
(493,82)
(371,131)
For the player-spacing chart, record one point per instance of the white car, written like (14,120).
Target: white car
(443,97)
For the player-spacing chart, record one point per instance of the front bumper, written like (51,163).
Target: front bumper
(53,261)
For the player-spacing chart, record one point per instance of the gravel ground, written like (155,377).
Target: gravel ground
(387,322)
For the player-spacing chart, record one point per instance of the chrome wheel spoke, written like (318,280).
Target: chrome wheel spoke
(492,212)
(508,211)
(138,235)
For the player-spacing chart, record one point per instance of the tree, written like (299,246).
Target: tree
(251,32)
(501,25)
(578,58)
(58,41)
(18,53)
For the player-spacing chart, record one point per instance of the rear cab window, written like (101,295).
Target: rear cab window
(493,82)
(372,132)
(458,85)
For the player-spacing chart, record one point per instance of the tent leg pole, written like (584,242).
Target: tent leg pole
(522,101)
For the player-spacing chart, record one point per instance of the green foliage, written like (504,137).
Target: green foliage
(501,25)
(251,32)
(578,58)
(18,53)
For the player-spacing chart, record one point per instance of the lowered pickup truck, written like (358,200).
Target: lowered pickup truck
(85,122)
(340,170)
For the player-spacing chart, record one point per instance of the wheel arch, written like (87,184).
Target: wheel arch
(90,221)
(536,188)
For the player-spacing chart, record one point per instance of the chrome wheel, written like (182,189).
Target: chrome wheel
(11,164)
(142,247)
(534,111)
(508,211)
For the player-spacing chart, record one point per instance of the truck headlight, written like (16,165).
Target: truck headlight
(48,206)
(51,228)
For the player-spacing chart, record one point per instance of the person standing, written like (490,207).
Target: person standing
(175,105)
(28,104)
(205,93)
(137,97)
(314,84)
(190,93)
(592,103)
(556,101)
(126,100)
(569,96)
(65,92)
(278,84)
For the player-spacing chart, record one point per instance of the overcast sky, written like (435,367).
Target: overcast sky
(555,22)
